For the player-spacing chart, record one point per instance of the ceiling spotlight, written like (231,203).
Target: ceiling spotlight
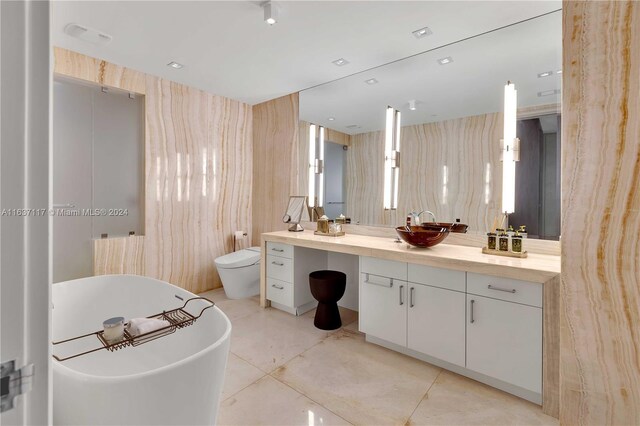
(422,32)
(412,104)
(175,65)
(545,74)
(270,13)
(371,81)
(331,118)
(340,62)
(445,61)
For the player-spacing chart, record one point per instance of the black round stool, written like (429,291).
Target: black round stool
(327,287)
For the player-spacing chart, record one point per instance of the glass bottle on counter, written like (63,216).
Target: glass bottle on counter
(492,238)
(503,241)
(523,231)
(323,225)
(516,243)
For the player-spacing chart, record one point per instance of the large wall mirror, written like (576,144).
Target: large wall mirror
(451,101)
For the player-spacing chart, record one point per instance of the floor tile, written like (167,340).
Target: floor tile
(362,382)
(456,400)
(269,338)
(269,402)
(353,327)
(239,375)
(233,308)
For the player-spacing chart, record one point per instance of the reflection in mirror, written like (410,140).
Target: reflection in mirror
(452,124)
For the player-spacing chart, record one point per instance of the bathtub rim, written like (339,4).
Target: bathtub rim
(68,371)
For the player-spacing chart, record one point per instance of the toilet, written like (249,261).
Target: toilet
(240,273)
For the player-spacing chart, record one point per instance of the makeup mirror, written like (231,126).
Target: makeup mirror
(297,211)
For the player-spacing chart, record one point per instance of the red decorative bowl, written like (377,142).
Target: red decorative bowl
(419,236)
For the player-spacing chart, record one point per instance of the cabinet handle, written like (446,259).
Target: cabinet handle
(278,250)
(411,304)
(390,285)
(490,287)
(472,320)
(400,291)
(279,287)
(277,263)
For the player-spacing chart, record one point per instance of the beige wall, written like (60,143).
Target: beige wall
(198,173)
(275,162)
(600,327)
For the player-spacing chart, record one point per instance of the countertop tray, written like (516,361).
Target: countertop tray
(487,250)
(329,234)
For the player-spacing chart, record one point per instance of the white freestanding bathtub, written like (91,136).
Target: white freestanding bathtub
(174,380)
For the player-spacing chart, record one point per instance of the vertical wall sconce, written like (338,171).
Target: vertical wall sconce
(391,159)
(510,148)
(316,165)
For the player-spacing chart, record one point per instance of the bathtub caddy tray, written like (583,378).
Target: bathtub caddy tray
(178,318)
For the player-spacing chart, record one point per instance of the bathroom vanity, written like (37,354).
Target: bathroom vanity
(492,319)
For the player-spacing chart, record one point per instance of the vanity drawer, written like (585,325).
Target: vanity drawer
(437,277)
(280,268)
(383,268)
(280,292)
(524,292)
(279,249)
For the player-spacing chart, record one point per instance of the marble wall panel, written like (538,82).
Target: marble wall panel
(123,255)
(600,292)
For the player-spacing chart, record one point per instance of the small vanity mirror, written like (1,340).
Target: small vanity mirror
(297,211)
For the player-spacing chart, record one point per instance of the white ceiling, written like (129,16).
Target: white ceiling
(227,49)
(472,84)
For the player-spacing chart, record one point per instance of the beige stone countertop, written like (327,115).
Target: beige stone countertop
(537,267)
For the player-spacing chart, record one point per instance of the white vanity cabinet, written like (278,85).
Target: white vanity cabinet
(287,270)
(383,299)
(488,328)
(436,313)
(504,331)
(414,306)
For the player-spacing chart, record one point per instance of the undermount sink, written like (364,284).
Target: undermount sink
(420,236)
(457,228)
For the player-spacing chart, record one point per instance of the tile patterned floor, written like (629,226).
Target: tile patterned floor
(284,371)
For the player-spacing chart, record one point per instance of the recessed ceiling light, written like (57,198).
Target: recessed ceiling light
(175,65)
(353,126)
(422,32)
(412,104)
(331,118)
(340,62)
(559,72)
(445,61)
(545,74)
(270,13)
(87,34)
(371,81)
(549,92)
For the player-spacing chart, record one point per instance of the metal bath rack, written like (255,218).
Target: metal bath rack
(178,318)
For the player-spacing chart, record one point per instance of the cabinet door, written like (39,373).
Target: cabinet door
(436,323)
(383,308)
(504,340)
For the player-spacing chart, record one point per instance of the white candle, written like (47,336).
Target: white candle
(113,329)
